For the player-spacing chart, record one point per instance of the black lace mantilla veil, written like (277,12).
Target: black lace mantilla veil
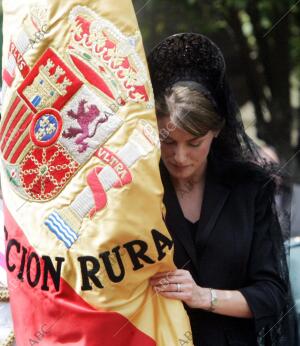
(194,57)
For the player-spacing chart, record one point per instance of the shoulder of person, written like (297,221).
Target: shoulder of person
(246,175)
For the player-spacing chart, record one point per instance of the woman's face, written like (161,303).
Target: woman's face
(183,154)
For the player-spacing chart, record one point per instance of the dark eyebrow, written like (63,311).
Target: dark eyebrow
(195,138)
(168,138)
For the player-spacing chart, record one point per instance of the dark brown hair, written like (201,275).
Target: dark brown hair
(189,109)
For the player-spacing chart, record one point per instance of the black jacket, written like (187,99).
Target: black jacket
(232,249)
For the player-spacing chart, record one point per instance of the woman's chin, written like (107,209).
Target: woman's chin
(180,173)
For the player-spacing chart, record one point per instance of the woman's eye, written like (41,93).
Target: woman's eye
(194,145)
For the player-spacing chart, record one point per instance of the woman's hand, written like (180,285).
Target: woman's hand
(180,284)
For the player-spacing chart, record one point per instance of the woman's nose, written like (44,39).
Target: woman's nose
(180,154)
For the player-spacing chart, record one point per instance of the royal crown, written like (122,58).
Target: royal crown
(100,46)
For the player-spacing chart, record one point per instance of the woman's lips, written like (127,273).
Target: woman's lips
(179,167)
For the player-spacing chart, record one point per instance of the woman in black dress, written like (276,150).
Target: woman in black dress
(219,200)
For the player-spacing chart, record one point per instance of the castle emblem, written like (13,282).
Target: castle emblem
(50,84)
(46,87)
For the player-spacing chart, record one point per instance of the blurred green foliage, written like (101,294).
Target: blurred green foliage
(261,43)
(160,18)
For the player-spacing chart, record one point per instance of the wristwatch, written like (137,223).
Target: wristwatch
(213,299)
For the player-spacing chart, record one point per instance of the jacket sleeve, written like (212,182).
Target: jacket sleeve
(266,290)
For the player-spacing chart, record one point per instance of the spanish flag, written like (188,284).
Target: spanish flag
(84,225)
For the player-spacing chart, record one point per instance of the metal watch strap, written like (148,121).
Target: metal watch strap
(213,299)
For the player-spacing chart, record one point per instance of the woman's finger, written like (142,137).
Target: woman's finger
(169,288)
(182,272)
(169,274)
(167,280)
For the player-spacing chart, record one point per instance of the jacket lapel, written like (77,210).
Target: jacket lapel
(175,219)
(216,193)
